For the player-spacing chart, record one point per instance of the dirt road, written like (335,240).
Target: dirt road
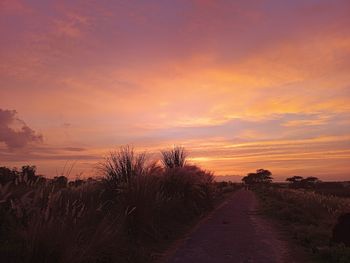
(234,232)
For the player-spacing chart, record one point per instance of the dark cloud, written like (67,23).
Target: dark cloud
(14,132)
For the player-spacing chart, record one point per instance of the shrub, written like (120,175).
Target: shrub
(174,158)
(341,231)
(46,221)
(190,184)
(121,165)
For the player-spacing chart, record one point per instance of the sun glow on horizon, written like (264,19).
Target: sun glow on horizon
(221,79)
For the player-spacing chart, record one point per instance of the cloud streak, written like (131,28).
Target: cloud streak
(206,74)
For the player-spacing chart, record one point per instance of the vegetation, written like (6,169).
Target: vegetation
(300,182)
(314,213)
(261,176)
(123,165)
(309,218)
(128,215)
(340,189)
(175,157)
(138,207)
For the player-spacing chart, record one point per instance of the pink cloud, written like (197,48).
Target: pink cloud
(16,137)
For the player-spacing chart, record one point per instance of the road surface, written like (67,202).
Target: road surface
(234,232)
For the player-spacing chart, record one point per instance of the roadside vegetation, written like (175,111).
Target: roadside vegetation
(130,214)
(315,215)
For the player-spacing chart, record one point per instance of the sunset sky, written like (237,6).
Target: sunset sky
(241,84)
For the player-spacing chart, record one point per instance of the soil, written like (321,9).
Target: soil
(234,232)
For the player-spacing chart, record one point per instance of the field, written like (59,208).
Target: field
(130,215)
(137,208)
(308,217)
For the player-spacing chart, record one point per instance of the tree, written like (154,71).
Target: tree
(294,179)
(310,181)
(299,181)
(261,176)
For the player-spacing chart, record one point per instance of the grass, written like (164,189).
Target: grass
(129,215)
(309,218)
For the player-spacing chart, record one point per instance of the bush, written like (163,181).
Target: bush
(123,217)
(174,158)
(121,165)
(341,231)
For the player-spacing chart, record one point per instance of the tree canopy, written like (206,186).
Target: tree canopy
(261,176)
(299,181)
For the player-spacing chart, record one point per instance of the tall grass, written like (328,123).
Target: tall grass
(124,217)
(309,217)
(121,165)
(174,158)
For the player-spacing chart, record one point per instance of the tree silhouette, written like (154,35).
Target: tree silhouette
(294,179)
(299,181)
(310,181)
(261,176)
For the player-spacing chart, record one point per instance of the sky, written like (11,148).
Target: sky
(242,85)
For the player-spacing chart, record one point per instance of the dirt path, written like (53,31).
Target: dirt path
(233,233)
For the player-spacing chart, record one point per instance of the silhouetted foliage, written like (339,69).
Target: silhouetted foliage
(7,175)
(76,183)
(294,179)
(300,182)
(28,172)
(121,165)
(341,231)
(261,176)
(309,217)
(311,180)
(60,181)
(174,158)
(88,222)
(341,189)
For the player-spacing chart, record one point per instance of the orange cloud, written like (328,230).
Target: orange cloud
(238,84)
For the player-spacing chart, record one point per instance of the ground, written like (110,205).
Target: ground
(234,232)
